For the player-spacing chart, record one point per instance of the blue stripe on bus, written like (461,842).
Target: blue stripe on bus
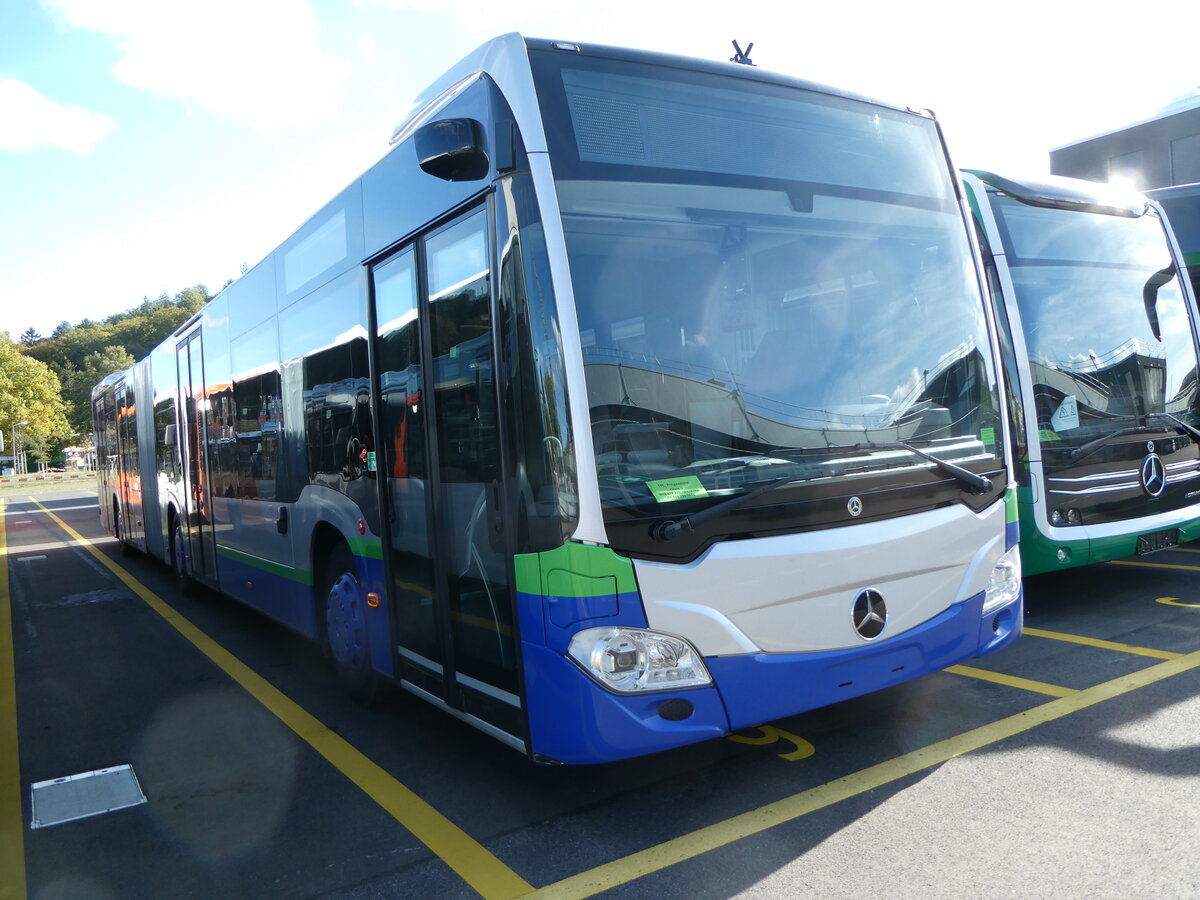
(292,604)
(283,599)
(371,576)
(1012,534)
(574,720)
(764,686)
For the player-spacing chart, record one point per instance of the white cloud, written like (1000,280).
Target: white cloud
(32,120)
(260,62)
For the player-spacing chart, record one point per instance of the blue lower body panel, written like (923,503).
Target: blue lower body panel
(574,720)
(765,686)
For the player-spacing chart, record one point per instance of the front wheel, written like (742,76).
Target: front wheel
(345,628)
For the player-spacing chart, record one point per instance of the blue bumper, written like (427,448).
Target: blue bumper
(574,720)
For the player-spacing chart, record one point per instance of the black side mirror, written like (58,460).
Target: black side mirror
(452,150)
(1150,296)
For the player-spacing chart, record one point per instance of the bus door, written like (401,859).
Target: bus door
(448,565)
(129,488)
(193,445)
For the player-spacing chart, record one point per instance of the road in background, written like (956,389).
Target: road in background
(1068,765)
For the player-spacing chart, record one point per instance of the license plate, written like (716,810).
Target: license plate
(1158,540)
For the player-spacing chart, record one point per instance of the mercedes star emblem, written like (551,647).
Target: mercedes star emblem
(1154,476)
(870,614)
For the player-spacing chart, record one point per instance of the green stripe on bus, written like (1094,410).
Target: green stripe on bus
(529,573)
(1010,506)
(301,576)
(600,569)
(371,548)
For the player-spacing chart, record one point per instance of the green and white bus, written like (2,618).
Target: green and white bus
(1181,203)
(1099,334)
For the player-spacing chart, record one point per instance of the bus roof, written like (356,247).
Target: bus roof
(1176,190)
(1058,192)
(503,58)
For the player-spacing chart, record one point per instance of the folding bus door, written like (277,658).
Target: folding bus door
(129,482)
(448,566)
(194,425)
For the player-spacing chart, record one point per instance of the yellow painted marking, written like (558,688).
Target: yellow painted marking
(1186,549)
(1150,565)
(31,549)
(1025,684)
(1175,601)
(721,834)
(769,734)
(462,853)
(1103,645)
(12,822)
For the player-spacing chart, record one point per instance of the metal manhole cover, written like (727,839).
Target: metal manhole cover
(87,794)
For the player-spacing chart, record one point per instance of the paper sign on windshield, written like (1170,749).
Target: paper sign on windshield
(667,489)
(1066,416)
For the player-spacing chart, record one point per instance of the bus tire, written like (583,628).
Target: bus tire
(343,610)
(184,583)
(126,549)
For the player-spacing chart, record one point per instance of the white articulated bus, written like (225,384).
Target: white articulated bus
(628,400)
(1100,343)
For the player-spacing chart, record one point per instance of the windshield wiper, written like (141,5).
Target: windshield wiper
(1180,425)
(669,529)
(1093,445)
(978,484)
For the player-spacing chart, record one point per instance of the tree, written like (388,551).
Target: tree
(80,355)
(77,384)
(30,337)
(30,392)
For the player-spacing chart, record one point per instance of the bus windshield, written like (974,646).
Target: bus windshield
(767,280)
(1132,354)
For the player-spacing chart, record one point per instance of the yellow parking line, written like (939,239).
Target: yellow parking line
(12,823)
(1103,645)
(1150,565)
(462,853)
(1025,684)
(720,834)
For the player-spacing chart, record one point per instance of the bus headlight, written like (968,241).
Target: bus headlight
(1004,585)
(630,660)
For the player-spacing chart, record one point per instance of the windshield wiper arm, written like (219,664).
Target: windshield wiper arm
(977,483)
(669,529)
(1193,433)
(1093,445)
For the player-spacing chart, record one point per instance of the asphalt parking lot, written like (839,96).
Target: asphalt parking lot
(1065,766)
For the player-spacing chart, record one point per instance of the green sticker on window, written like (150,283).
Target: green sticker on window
(1045,434)
(668,490)
(988,436)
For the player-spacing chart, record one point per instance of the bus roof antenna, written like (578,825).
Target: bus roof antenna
(740,57)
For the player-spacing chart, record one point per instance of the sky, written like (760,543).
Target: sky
(150,145)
